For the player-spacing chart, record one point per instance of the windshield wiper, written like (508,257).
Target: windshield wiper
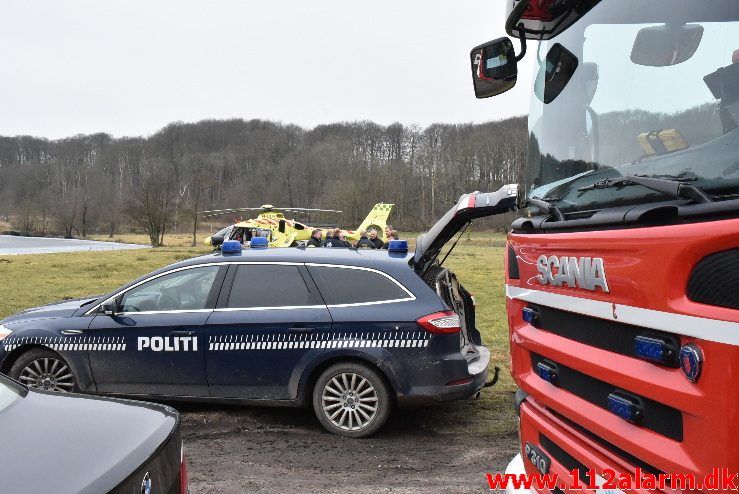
(675,187)
(545,207)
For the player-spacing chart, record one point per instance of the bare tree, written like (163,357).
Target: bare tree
(151,208)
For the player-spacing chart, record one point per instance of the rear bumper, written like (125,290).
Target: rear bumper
(477,372)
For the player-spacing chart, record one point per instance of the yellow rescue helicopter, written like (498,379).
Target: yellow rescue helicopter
(282,232)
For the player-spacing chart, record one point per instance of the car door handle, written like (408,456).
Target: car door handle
(298,330)
(182,333)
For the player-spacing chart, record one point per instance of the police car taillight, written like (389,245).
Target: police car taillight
(440,323)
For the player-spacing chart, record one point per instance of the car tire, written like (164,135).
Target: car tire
(351,400)
(41,368)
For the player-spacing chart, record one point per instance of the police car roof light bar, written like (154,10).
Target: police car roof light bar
(259,243)
(397,246)
(231,247)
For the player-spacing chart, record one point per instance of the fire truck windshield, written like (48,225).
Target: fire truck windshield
(648,91)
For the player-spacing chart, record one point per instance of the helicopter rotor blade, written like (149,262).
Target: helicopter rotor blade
(214,212)
(220,212)
(310,209)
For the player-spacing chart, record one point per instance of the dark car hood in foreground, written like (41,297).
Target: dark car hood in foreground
(73,443)
(65,308)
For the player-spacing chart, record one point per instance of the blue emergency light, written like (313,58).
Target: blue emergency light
(654,349)
(231,247)
(398,246)
(259,243)
(626,407)
(548,371)
(530,315)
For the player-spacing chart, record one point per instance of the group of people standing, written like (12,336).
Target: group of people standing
(337,238)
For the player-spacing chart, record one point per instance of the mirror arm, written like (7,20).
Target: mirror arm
(522,37)
(515,16)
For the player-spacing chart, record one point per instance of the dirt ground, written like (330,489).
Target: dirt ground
(249,449)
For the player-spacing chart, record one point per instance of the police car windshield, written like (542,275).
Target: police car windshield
(618,103)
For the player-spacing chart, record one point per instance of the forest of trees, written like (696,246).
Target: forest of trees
(99,184)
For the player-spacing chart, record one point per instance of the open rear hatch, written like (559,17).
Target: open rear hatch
(443,281)
(469,207)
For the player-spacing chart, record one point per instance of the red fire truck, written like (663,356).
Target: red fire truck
(622,273)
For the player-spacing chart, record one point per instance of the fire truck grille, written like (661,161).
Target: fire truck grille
(612,336)
(655,416)
(615,450)
(715,280)
(564,458)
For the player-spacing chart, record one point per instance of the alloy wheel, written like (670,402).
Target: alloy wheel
(48,373)
(349,401)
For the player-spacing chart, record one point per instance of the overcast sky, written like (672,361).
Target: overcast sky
(130,67)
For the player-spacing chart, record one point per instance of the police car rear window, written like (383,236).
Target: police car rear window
(268,285)
(342,286)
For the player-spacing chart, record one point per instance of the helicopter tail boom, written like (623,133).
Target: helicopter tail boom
(377,219)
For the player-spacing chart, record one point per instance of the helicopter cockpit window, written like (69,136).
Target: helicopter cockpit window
(242,235)
(261,232)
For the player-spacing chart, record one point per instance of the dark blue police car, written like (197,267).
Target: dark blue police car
(352,331)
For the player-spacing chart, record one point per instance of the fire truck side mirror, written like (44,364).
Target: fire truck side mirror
(494,67)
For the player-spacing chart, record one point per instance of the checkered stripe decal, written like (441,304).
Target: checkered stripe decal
(383,207)
(70,343)
(403,339)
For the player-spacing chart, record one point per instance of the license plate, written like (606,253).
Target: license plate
(536,456)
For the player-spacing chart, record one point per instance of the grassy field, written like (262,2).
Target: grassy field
(30,280)
(170,240)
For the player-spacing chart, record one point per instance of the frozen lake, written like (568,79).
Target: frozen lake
(11,245)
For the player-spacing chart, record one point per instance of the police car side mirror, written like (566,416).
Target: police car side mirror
(109,307)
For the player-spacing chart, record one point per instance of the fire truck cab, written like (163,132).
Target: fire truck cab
(622,272)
